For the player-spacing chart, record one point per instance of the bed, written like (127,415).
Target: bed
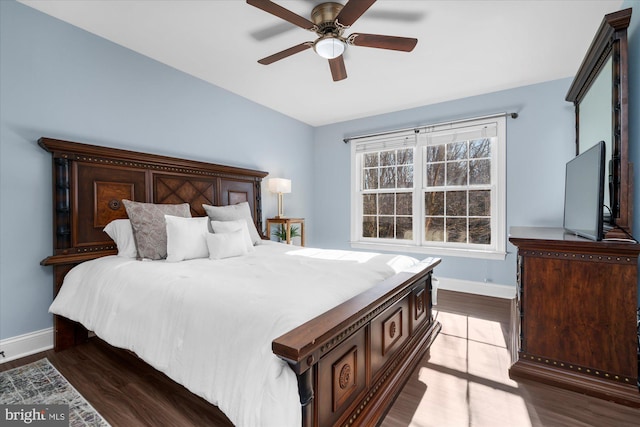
(344,364)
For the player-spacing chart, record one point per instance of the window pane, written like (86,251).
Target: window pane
(479,148)
(434,229)
(434,203)
(479,172)
(388,178)
(387,158)
(387,204)
(405,157)
(405,176)
(386,227)
(370,179)
(369,204)
(435,153)
(480,231)
(456,203)
(369,227)
(480,203)
(457,230)
(404,228)
(404,203)
(370,160)
(435,174)
(457,173)
(457,151)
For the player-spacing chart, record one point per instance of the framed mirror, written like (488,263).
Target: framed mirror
(599,93)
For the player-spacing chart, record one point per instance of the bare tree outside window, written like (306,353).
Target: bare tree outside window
(387,214)
(438,189)
(458,194)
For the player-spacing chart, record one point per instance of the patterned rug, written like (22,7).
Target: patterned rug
(40,383)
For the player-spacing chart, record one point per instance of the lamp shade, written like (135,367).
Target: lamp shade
(329,47)
(279,185)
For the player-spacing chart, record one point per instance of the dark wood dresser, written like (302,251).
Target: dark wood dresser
(577,318)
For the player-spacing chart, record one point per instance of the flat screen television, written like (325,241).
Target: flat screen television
(584,193)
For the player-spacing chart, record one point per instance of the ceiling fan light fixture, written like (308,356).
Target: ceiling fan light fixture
(329,47)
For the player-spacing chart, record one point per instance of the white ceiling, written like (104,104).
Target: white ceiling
(465,48)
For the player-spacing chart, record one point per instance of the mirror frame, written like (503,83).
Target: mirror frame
(611,42)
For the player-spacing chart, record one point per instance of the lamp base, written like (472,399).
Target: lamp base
(280,207)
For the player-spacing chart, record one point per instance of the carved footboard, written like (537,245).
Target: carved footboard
(353,360)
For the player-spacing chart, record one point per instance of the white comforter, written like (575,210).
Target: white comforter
(183,318)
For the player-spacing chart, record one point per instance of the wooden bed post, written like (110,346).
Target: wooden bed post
(305,388)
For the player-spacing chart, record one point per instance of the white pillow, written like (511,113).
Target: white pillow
(226,245)
(231,226)
(234,212)
(186,238)
(121,232)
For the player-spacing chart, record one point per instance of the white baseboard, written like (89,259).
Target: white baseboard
(477,288)
(27,344)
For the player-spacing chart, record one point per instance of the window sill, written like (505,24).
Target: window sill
(466,253)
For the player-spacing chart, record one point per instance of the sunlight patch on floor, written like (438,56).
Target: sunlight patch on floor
(466,377)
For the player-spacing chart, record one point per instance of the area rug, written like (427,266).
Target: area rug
(40,383)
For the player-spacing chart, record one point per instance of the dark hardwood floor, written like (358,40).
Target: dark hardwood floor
(462,382)
(125,390)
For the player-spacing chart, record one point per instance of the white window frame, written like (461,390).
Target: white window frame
(420,138)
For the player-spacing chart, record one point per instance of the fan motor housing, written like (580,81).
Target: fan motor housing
(324,16)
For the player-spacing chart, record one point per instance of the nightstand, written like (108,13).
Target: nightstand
(287,222)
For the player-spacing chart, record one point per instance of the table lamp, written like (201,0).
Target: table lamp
(279,186)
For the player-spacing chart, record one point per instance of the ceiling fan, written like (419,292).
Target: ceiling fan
(329,21)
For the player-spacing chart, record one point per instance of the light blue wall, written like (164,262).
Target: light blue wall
(62,82)
(539,143)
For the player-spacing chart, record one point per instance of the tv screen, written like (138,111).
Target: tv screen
(584,193)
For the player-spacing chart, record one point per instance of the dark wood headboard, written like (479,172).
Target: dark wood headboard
(89,183)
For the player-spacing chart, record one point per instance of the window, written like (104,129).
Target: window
(438,189)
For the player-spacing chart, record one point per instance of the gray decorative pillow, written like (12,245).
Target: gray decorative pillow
(149,227)
(232,213)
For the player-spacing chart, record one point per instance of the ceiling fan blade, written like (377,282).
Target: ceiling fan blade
(403,44)
(352,11)
(282,13)
(285,53)
(338,70)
